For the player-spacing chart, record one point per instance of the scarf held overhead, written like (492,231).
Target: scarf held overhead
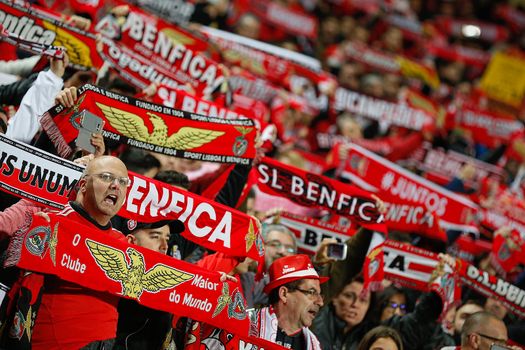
(313,190)
(85,256)
(44,178)
(154,128)
(45,27)
(387,179)
(166,45)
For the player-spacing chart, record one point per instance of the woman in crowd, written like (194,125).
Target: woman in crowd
(381,338)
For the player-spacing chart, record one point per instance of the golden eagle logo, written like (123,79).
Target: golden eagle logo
(78,51)
(178,37)
(133,275)
(52,245)
(132,126)
(22,324)
(250,237)
(224,300)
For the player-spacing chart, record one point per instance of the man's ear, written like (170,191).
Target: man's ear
(474,340)
(283,294)
(82,185)
(131,239)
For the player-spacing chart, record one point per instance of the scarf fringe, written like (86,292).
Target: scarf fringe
(14,250)
(56,137)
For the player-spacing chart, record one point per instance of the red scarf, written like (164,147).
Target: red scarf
(412,267)
(492,286)
(46,179)
(381,110)
(180,99)
(389,180)
(290,20)
(31,46)
(467,55)
(204,337)
(82,255)
(249,85)
(440,166)
(154,39)
(390,64)
(135,68)
(468,249)
(268,61)
(487,128)
(313,190)
(128,120)
(505,257)
(46,27)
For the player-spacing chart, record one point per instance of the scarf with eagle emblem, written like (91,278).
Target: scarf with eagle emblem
(153,127)
(79,254)
(21,21)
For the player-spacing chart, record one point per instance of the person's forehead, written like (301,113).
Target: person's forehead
(355,286)
(162,229)
(275,235)
(397,296)
(310,283)
(110,165)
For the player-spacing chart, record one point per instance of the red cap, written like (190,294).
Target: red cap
(291,268)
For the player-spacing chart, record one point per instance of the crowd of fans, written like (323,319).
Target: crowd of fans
(432,57)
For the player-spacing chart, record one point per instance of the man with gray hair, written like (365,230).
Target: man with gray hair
(279,241)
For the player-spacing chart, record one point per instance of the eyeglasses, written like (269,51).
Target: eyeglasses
(110,178)
(278,245)
(310,293)
(394,306)
(495,340)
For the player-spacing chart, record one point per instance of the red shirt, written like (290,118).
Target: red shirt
(71,316)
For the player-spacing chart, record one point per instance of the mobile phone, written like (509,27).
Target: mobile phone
(498,347)
(89,124)
(337,251)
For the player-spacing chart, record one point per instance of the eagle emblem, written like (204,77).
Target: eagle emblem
(132,126)
(240,145)
(52,245)
(133,275)
(78,51)
(236,304)
(250,237)
(74,115)
(22,325)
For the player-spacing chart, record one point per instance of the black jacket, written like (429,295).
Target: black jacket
(12,94)
(140,327)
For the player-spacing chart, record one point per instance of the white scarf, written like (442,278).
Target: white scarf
(264,325)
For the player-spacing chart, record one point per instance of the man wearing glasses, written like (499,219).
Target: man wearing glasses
(484,331)
(278,242)
(70,316)
(295,299)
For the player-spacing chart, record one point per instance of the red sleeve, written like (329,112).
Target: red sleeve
(218,262)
